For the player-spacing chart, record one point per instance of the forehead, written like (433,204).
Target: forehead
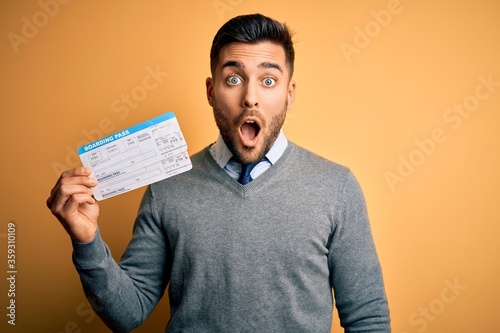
(253,55)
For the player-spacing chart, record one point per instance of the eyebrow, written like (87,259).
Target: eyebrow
(264,65)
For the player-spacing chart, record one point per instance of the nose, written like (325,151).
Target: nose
(250,96)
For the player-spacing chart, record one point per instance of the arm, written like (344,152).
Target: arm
(356,274)
(122,295)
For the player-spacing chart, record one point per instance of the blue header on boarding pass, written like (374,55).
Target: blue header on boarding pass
(118,135)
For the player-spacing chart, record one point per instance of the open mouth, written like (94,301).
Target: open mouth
(249,131)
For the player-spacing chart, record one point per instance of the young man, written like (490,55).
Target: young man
(242,251)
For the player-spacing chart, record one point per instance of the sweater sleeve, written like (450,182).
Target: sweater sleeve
(124,294)
(356,275)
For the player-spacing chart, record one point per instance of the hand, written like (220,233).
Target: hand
(71,201)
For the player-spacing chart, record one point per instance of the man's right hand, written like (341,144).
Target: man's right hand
(71,201)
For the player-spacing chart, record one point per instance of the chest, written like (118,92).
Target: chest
(274,227)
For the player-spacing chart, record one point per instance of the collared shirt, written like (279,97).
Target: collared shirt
(223,157)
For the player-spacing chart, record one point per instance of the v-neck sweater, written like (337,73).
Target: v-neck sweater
(273,255)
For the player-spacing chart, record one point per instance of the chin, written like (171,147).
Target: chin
(253,154)
(248,154)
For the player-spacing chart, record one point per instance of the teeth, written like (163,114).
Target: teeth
(250,121)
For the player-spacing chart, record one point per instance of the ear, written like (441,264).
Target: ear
(210,90)
(291,94)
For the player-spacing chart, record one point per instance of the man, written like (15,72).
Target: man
(242,251)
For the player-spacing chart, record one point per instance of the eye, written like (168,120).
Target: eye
(269,82)
(233,80)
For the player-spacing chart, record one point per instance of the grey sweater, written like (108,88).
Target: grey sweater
(262,257)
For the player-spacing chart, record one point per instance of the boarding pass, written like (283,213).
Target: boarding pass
(137,156)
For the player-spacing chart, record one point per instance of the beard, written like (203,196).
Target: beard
(229,129)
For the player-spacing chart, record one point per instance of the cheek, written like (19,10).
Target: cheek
(275,102)
(275,96)
(227,99)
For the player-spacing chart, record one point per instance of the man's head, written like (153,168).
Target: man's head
(251,88)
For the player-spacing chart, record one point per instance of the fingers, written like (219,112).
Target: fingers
(72,204)
(78,171)
(76,175)
(66,192)
(70,182)
(71,201)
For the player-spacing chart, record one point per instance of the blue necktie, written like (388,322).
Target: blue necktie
(245,177)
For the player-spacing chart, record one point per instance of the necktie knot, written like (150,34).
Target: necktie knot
(245,177)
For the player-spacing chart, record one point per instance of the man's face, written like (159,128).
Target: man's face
(251,91)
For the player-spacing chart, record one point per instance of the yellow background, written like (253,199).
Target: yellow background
(371,91)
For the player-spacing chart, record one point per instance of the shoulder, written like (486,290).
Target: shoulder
(322,172)
(308,160)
